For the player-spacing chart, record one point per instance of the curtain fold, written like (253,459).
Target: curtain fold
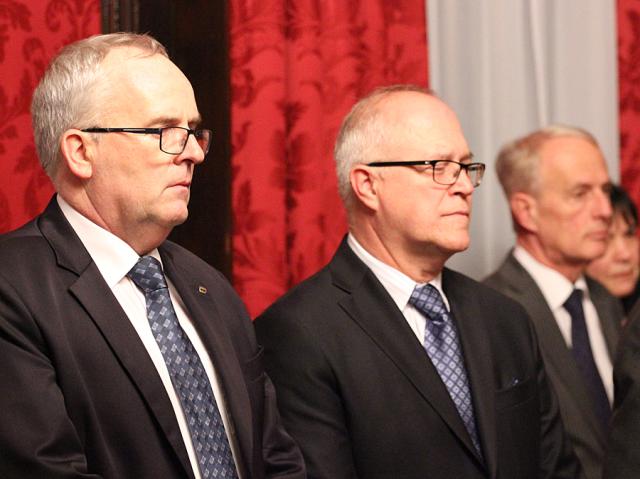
(297,66)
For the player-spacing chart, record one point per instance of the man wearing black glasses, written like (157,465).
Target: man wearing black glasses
(123,355)
(387,364)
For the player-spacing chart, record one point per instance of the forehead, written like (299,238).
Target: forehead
(423,122)
(572,159)
(144,87)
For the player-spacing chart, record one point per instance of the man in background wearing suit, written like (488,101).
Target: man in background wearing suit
(388,365)
(110,369)
(557,186)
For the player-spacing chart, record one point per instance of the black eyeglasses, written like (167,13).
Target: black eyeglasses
(173,139)
(445,172)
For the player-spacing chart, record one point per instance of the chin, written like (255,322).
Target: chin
(177,218)
(621,291)
(456,246)
(622,288)
(180,219)
(462,243)
(597,249)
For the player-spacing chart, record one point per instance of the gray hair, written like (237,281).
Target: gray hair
(518,162)
(362,131)
(68,94)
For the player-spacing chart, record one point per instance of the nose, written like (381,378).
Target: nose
(602,207)
(192,152)
(462,184)
(621,248)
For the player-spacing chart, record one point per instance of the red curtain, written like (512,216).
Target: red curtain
(297,67)
(629,94)
(30,33)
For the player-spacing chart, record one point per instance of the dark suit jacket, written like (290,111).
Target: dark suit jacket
(358,392)
(80,394)
(622,458)
(577,413)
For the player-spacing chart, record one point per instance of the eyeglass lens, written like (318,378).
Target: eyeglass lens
(447,172)
(173,140)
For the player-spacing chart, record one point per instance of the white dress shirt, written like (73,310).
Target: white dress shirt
(399,286)
(114,259)
(556,289)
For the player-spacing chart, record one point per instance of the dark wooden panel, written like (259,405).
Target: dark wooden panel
(195,35)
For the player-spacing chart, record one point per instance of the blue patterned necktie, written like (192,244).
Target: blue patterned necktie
(188,376)
(443,347)
(581,349)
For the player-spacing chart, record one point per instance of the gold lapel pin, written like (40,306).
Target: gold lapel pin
(202,290)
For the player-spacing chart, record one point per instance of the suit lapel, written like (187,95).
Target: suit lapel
(103,309)
(555,351)
(371,307)
(475,343)
(209,318)
(609,319)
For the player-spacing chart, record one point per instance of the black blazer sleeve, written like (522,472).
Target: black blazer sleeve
(308,392)
(37,437)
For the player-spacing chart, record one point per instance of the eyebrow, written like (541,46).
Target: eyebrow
(465,158)
(173,121)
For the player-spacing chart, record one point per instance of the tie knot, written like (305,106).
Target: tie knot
(574,301)
(147,274)
(428,301)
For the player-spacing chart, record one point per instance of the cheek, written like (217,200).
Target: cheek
(579,219)
(634,249)
(557,228)
(558,217)
(606,262)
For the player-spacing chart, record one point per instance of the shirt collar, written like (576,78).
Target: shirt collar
(113,257)
(555,287)
(398,285)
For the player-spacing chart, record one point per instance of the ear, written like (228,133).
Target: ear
(364,185)
(524,208)
(77,153)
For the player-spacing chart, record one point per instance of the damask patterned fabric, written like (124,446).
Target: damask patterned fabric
(295,73)
(629,95)
(296,69)
(30,34)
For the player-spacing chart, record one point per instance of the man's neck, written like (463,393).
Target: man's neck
(144,239)
(422,267)
(571,271)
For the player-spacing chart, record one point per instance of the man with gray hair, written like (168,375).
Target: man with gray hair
(387,364)
(123,355)
(557,185)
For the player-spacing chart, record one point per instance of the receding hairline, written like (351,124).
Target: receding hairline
(527,151)
(379,99)
(113,72)
(378,105)
(113,59)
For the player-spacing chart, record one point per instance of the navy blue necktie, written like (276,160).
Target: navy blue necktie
(443,347)
(188,376)
(581,349)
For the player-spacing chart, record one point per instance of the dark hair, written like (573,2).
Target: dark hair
(621,203)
